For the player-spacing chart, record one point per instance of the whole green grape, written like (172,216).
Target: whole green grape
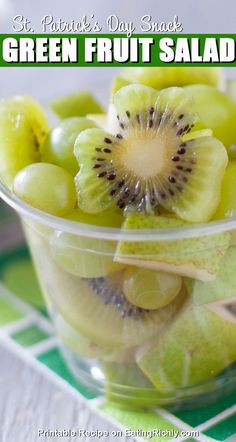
(59,145)
(46,187)
(83,256)
(150,289)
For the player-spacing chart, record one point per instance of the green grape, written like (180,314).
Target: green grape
(150,289)
(23,128)
(46,187)
(107,218)
(77,104)
(83,256)
(227,205)
(59,145)
(216,111)
(232,151)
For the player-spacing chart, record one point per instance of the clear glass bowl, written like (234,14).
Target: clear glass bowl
(178,355)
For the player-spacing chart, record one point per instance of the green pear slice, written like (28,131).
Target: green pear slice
(198,345)
(197,257)
(222,289)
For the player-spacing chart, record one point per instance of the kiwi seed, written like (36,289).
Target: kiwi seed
(103,288)
(147,162)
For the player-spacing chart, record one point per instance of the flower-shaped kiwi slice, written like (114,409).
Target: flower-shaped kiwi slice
(156,159)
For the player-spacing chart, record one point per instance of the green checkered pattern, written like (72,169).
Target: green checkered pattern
(24,323)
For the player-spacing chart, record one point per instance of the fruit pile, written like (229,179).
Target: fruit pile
(154,310)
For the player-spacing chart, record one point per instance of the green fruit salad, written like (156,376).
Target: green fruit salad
(137,258)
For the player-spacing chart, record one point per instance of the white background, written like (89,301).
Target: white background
(197,16)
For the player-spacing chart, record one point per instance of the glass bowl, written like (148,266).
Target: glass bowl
(177,355)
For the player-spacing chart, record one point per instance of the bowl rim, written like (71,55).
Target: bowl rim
(25,210)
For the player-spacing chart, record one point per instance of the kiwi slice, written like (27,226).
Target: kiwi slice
(149,163)
(198,257)
(23,128)
(117,83)
(76,341)
(98,309)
